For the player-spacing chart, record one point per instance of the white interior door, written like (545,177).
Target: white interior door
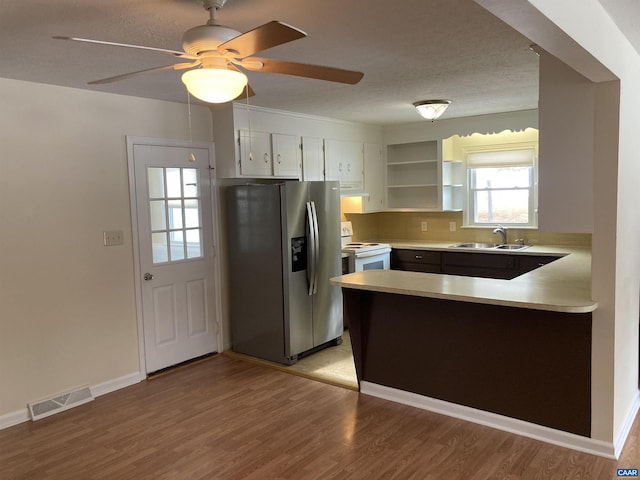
(176,253)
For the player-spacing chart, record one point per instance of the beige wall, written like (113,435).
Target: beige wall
(616,267)
(68,314)
(591,44)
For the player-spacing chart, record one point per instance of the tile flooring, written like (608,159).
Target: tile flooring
(332,365)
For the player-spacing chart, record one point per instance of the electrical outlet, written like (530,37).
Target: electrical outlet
(112,237)
(452,226)
(423,226)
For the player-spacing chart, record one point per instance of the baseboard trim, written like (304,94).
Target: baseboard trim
(117,383)
(621,438)
(512,425)
(14,418)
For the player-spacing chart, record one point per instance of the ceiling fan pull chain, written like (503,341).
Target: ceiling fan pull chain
(249,119)
(192,157)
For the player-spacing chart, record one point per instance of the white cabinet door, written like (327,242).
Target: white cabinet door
(344,162)
(373,178)
(286,161)
(312,159)
(255,154)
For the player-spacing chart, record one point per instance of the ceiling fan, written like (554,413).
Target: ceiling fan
(217,55)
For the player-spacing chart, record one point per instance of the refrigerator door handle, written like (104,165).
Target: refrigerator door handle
(312,250)
(316,247)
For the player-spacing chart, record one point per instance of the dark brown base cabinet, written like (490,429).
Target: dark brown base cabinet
(426,261)
(470,264)
(532,365)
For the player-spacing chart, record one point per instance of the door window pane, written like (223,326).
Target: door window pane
(177,245)
(175,220)
(158,215)
(174,184)
(191,214)
(175,214)
(159,247)
(155,178)
(190,179)
(194,243)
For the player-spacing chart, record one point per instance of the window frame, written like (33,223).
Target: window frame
(470,212)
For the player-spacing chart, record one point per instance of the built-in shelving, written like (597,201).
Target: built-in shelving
(413,176)
(453,184)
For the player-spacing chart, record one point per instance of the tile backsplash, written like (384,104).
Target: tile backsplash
(400,226)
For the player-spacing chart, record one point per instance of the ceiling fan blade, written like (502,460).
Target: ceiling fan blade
(177,66)
(330,74)
(115,44)
(261,38)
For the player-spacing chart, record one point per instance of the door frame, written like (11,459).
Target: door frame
(215,213)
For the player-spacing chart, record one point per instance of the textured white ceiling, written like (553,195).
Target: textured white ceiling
(409,50)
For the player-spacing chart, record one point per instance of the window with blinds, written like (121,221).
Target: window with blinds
(502,188)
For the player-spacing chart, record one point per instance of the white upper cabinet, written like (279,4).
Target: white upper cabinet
(256,142)
(255,154)
(312,159)
(344,161)
(286,160)
(268,155)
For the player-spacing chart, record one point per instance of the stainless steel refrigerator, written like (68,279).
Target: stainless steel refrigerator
(284,245)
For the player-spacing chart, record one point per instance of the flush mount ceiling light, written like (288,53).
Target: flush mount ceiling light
(214,85)
(431,109)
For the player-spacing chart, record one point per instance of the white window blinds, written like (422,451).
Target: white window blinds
(501,158)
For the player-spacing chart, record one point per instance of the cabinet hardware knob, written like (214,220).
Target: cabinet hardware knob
(418,257)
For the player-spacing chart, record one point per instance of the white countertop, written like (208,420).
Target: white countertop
(562,286)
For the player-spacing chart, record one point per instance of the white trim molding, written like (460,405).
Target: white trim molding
(500,422)
(117,383)
(22,415)
(14,418)
(623,433)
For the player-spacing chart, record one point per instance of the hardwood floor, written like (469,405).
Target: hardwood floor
(224,418)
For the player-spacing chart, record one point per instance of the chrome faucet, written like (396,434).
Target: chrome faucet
(502,231)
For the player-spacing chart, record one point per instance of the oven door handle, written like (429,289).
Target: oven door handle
(373,253)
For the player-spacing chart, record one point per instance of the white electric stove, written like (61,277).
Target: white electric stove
(364,255)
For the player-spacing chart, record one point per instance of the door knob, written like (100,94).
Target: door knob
(148,276)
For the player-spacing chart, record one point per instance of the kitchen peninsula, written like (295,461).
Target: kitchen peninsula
(519,348)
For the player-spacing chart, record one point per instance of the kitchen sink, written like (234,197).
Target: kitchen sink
(490,246)
(475,245)
(511,246)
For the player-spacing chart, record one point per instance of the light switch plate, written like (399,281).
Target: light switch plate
(112,237)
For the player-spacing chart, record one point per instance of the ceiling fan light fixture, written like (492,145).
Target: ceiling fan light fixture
(431,109)
(214,85)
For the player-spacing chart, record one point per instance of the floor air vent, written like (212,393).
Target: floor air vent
(60,403)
